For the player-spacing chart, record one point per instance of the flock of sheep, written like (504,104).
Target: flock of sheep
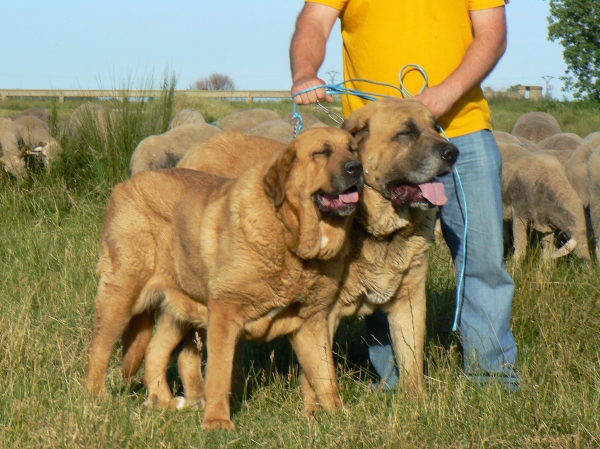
(188,130)
(550,185)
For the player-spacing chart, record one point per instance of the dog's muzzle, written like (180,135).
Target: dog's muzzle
(349,186)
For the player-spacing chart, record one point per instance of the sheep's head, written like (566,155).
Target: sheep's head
(15,164)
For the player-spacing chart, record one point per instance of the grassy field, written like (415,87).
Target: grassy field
(48,251)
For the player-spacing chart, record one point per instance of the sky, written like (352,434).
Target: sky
(91,44)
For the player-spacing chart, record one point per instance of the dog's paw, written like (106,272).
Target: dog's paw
(218,424)
(181,402)
(155,402)
(148,403)
(178,403)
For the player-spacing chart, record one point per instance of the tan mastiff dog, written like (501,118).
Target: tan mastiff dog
(255,257)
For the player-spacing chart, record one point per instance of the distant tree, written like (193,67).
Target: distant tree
(216,81)
(576,25)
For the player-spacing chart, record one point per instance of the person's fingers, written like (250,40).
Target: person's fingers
(310,96)
(305,91)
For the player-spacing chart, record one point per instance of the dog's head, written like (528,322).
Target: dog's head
(402,150)
(315,183)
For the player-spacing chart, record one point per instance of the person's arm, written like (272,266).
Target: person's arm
(307,50)
(488,46)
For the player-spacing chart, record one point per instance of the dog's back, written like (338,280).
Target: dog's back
(229,154)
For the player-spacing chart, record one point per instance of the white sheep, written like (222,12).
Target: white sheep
(41,113)
(577,168)
(36,135)
(561,142)
(273,129)
(535,126)
(536,195)
(90,119)
(165,150)
(12,149)
(561,146)
(593,175)
(185,117)
(246,119)
(504,137)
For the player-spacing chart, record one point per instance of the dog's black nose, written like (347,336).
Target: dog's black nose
(449,153)
(353,167)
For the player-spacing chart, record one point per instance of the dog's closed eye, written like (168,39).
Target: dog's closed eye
(410,130)
(326,151)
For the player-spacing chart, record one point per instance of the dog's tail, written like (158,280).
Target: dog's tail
(135,341)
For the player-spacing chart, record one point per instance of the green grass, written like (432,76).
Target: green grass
(51,224)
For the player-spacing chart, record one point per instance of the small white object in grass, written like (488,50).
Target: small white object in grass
(178,403)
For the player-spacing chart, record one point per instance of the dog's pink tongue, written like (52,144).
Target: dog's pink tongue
(434,192)
(349,198)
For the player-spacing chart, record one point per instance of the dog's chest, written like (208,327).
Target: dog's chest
(381,267)
(308,285)
(294,296)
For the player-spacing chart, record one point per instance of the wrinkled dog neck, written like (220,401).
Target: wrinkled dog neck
(378,216)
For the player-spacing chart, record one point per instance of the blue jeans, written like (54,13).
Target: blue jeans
(489,349)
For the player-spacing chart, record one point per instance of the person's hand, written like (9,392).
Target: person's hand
(438,99)
(311,96)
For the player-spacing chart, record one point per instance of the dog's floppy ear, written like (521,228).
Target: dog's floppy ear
(276,176)
(358,123)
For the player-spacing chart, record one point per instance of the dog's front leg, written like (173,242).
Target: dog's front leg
(223,335)
(406,315)
(312,345)
(308,393)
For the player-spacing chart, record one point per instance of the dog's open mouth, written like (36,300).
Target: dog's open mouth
(342,204)
(426,194)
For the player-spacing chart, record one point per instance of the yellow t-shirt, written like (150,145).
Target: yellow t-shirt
(382,36)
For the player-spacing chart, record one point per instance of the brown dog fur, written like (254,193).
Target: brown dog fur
(387,266)
(249,258)
(229,154)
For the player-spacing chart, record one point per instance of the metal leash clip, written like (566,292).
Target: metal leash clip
(296,122)
(332,115)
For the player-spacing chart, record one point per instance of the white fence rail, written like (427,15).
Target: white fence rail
(61,94)
(527,92)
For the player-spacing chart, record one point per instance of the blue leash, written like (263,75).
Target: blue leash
(340,89)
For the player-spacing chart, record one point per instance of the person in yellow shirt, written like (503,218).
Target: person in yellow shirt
(457,43)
